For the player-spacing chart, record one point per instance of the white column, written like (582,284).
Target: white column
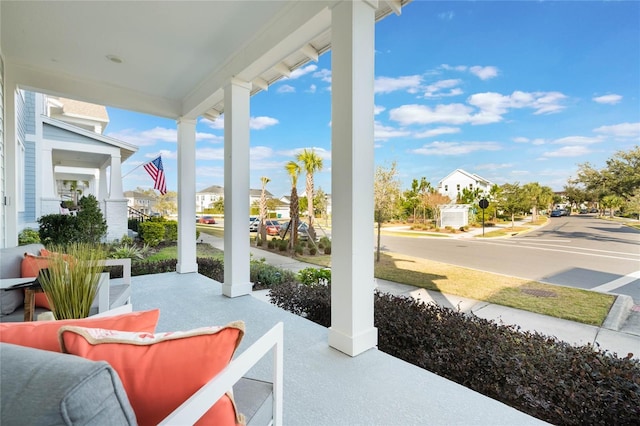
(352,163)
(236,189)
(47,176)
(103,191)
(115,185)
(186,196)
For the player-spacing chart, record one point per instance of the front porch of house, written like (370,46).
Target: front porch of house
(322,386)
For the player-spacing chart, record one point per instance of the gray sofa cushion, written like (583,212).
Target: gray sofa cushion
(49,388)
(10,262)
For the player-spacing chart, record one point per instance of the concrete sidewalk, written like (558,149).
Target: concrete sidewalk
(622,341)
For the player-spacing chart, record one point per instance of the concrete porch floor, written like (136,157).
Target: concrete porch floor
(322,386)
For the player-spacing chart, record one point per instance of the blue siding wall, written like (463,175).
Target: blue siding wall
(30,112)
(30,181)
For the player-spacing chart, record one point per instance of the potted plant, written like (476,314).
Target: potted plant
(72,278)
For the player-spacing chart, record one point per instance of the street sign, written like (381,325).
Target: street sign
(483,203)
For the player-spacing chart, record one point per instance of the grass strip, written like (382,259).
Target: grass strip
(561,302)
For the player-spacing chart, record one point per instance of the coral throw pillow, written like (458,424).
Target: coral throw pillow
(44,334)
(30,267)
(159,372)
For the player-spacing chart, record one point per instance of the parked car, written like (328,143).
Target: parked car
(303,230)
(209,220)
(273,227)
(557,213)
(253,224)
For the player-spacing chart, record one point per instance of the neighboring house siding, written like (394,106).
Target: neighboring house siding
(58,134)
(29,182)
(22,114)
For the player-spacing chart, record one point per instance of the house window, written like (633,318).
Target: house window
(458,187)
(446,188)
(471,186)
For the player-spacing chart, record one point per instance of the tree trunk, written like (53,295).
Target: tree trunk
(312,231)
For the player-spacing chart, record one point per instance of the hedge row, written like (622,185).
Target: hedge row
(534,373)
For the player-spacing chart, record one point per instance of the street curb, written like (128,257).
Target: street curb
(619,312)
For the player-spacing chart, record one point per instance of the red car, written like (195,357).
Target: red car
(273,227)
(209,220)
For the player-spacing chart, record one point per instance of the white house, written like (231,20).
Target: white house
(208,196)
(63,155)
(456,181)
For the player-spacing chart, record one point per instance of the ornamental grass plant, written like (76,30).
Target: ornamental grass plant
(72,278)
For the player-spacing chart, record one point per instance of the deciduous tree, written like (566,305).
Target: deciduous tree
(387,197)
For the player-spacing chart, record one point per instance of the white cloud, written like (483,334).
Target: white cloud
(607,99)
(538,141)
(158,134)
(292,153)
(324,75)
(210,172)
(437,132)
(459,68)
(312,89)
(484,73)
(568,151)
(422,114)
(490,107)
(286,88)
(260,152)
(297,73)
(493,166)
(622,130)
(520,139)
(259,123)
(218,124)
(377,109)
(210,154)
(389,84)
(383,133)
(446,16)
(576,140)
(438,88)
(455,148)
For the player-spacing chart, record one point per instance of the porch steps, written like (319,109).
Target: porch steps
(254,399)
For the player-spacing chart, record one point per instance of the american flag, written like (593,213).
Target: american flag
(156,171)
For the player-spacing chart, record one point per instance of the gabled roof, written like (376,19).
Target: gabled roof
(214,189)
(257,193)
(471,176)
(126,149)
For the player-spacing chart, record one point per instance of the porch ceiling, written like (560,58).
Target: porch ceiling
(176,56)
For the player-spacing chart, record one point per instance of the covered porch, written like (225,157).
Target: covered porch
(322,386)
(198,60)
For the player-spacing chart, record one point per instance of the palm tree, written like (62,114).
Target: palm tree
(263,209)
(311,163)
(293,169)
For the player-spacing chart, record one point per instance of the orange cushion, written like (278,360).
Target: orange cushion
(44,334)
(30,267)
(159,372)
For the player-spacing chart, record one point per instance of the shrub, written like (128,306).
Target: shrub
(310,276)
(28,236)
(283,245)
(313,251)
(299,249)
(58,229)
(325,241)
(126,251)
(263,275)
(171,231)
(133,224)
(90,223)
(211,268)
(327,249)
(151,232)
(537,374)
(271,244)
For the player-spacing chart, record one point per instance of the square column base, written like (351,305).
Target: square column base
(353,345)
(187,268)
(236,290)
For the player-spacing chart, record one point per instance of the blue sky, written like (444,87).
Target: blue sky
(513,91)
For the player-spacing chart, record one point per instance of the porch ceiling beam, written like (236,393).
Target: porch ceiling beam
(282,69)
(395,5)
(261,83)
(310,52)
